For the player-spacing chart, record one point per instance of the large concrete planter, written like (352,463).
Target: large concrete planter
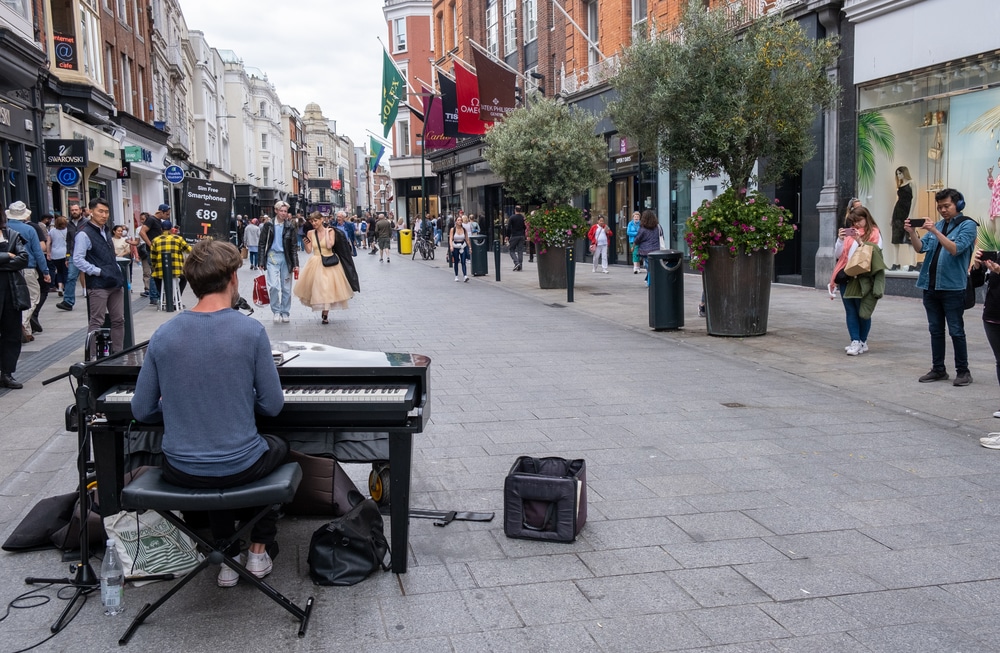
(737,292)
(552,268)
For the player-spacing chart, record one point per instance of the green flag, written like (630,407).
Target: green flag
(377,149)
(393,90)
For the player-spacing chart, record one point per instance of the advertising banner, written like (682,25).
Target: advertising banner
(206,208)
(468,102)
(434,135)
(496,88)
(449,104)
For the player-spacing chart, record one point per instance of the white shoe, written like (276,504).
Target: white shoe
(456,279)
(864,346)
(605,271)
(227,576)
(286,319)
(277,318)
(466,278)
(259,564)
(996,414)
(991,441)
(855,348)
(595,270)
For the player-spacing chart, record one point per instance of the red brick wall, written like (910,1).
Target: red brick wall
(133,40)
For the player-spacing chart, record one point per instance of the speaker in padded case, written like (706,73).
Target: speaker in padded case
(545,499)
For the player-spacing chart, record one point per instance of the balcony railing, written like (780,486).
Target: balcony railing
(596,74)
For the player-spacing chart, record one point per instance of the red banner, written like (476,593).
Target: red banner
(468,102)
(434,137)
(496,88)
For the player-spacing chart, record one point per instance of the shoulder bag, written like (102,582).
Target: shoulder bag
(348,549)
(328,261)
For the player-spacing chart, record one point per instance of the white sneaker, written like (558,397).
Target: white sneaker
(864,346)
(259,564)
(456,279)
(277,319)
(227,576)
(467,278)
(595,270)
(996,414)
(286,319)
(855,348)
(991,441)
(605,271)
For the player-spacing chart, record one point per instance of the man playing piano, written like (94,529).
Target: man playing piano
(207,371)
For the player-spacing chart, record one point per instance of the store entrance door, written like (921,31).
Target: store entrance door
(622,204)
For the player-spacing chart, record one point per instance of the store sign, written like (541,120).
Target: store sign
(206,207)
(625,161)
(60,153)
(136,154)
(65,51)
(68,176)
(174,174)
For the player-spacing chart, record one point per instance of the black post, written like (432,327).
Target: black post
(570,272)
(167,291)
(126,267)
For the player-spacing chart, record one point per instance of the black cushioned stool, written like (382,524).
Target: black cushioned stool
(151,492)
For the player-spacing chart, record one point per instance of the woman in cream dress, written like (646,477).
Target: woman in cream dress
(319,287)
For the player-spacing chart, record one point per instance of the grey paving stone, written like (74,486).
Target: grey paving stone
(785,521)
(739,623)
(535,569)
(918,567)
(621,562)
(802,579)
(559,638)
(885,512)
(920,638)
(718,586)
(442,547)
(839,642)
(723,501)
(906,606)
(541,603)
(811,617)
(629,533)
(647,633)
(726,552)
(635,594)
(711,526)
(825,544)
(447,612)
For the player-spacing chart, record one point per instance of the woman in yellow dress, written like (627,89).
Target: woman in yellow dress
(319,287)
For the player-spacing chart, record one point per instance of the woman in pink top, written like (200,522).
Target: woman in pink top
(861,229)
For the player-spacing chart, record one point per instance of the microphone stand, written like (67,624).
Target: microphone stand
(85,580)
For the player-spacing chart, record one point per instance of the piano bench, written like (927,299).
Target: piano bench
(151,492)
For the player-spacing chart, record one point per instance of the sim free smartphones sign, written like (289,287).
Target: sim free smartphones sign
(206,209)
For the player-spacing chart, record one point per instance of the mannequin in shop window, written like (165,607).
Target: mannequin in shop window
(994,184)
(900,212)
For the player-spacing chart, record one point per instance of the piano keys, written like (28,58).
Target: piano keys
(327,390)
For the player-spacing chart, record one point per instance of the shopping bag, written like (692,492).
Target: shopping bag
(260,296)
(860,261)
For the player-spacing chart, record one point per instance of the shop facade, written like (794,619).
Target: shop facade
(22,168)
(939,100)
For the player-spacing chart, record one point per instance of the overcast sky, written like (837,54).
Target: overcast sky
(322,51)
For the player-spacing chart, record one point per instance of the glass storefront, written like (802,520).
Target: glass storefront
(942,136)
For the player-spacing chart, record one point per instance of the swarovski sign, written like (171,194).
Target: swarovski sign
(60,153)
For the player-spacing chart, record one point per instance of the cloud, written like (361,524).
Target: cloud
(322,51)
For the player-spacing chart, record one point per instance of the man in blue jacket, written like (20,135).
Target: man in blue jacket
(948,247)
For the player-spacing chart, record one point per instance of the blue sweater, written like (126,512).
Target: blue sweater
(206,374)
(952,271)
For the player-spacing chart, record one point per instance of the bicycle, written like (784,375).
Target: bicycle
(425,246)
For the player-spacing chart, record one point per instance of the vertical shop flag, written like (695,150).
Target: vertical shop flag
(467,92)
(496,88)
(393,90)
(434,137)
(449,104)
(377,150)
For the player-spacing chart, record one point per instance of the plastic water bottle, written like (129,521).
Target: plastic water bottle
(112,581)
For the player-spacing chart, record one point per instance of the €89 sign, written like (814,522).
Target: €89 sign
(206,210)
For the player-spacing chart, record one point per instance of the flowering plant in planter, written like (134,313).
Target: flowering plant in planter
(555,226)
(743,223)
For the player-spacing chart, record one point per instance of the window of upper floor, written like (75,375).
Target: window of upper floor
(529,10)
(440,32)
(399,35)
(263,109)
(319,149)
(76,44)
(454,24)
(639,11)
(321,171)
(263,142)
(509,26)
(593,31)
(266,176)
(492,28)
(18,14)
(403,137)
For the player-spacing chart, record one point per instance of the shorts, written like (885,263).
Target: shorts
(384,243)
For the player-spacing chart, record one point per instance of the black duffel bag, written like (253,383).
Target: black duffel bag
(348,549)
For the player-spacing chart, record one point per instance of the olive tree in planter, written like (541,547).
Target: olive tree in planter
(722,94)
(546,152)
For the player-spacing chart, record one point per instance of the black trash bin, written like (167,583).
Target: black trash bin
(666,289)
(480,265)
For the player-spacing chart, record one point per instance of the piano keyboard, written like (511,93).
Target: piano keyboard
(300,394)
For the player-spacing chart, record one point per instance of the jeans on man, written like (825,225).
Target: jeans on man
(515,246)
(279,283)
(857,328)
(69,291)
(946,307)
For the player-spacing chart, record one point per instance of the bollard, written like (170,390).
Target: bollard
(570,274)
(496,256)
(167,287)
(125,266)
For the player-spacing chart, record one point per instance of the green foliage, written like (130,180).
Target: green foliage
(710,101)
(987,239)
(874,133)
(749,223)
(555,226)
(547,152)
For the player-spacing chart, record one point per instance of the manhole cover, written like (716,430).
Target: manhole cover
(734,404)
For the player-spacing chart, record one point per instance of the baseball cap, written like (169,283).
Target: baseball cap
(167,225)
(163,207)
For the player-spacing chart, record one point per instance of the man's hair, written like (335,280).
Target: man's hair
(341,213)
(281,204)
(210,266)
(97,201)
(948,194)
(517,208)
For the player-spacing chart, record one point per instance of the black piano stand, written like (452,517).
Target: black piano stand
(85,580)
